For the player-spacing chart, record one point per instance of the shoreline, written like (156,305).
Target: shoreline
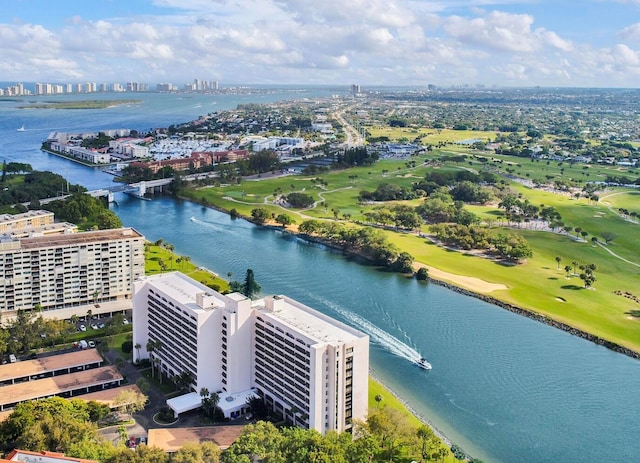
(542,319)
(467,292)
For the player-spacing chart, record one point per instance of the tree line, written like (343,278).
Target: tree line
(70,426)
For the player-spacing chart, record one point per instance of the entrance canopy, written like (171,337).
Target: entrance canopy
(185,403)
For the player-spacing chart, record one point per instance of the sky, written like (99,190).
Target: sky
(515,43)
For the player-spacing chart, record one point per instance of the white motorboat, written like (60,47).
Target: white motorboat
(422,363)
(22,129)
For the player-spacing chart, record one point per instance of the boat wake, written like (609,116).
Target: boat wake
(376,334)
(209,225)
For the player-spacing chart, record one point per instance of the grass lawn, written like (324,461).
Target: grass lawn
(115,343)
(430,136)
(536,285)
(154,255)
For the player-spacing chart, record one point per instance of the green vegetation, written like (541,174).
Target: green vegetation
(87,212)
(536,284)
(159,258)
(80,104)
(28,186)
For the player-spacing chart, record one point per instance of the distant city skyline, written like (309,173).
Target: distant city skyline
(568,43)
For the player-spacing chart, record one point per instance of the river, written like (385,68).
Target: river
(505,388)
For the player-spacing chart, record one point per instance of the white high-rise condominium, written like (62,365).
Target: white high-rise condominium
(304,364)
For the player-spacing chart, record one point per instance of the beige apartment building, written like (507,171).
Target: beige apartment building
(69,270)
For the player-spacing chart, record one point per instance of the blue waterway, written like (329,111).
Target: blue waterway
(505,388)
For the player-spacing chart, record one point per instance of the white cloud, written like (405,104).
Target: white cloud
(631,33)
(499,31)
(331,41)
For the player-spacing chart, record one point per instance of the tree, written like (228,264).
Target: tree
(183,380)
(558,260)
(378,399)
(190,452)
(54,424)
(153,347)
(392,428)
(137,348)
(258,442)
(130,401)
(259,409)
(260,215)
(422,274)
(608,236)
(284,220)
(567,269)
(428,441)
(299,200)
(403,263)
(209,401)
(250,287)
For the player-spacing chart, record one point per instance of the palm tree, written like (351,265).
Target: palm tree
(150,345)
(567,269)
(378,399)
(137,347)
(558,260)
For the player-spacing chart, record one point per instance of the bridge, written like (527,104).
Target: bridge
(134,189)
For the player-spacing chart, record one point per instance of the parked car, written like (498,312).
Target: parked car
(100,326)
(91,344)
(125,322)
(12,358)
(94,326)
(83,328)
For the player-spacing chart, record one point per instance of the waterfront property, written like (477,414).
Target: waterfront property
(69,270)
(306,366)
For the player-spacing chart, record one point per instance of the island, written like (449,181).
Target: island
(80,104)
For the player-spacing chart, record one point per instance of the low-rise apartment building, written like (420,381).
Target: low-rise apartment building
(306,365)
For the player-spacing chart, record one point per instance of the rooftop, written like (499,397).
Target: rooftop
(106,396)
(171,439)
(47,364)
(25,215)
(184,289)
(29,390)
(314,324)
(79,238)
(42,457)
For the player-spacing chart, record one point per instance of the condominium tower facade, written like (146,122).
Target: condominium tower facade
(306,365)
(66,270)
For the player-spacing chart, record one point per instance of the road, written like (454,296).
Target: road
(353,136)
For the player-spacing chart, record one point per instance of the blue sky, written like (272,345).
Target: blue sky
(581,43)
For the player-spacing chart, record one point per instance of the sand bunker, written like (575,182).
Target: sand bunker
(471,283)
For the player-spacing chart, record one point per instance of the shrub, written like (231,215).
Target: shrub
(127,347)
(422,274)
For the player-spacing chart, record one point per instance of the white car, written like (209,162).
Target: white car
(125,322)
(83,328)
(91,344)
(94,326)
